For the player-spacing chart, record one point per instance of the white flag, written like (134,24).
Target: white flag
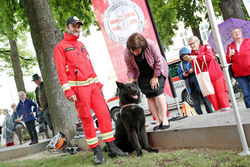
(247,5)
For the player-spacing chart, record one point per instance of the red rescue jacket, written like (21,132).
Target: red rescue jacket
(215,72)
(241,59)
(73,64)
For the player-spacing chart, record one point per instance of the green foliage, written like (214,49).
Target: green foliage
(63,9)
(27,57)
(13,24)
(26,135)
(217,9)
(173,158)
(189,11)
(31,95)
(12,18)
(165,19)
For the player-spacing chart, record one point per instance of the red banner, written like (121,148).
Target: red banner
(118,19)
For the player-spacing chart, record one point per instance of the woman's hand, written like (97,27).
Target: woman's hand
(231,52)
(185,74)
(154,82)
(130,80)
(190,71)
(191,58)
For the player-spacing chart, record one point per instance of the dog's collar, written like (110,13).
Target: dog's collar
(131,104)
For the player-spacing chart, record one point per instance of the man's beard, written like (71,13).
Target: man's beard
(74,34)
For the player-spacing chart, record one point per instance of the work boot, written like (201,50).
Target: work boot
(98,157)
(113,150)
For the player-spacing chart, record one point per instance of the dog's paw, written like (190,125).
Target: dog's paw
(149,149)
(139,153)
(155,150)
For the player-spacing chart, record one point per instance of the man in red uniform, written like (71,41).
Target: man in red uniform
(219,99)
(81,85)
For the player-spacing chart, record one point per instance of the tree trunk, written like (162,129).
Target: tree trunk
(232,8)
(196,32)
(45,35)
(18,74)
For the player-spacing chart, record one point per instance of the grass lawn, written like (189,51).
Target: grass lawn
(175,158)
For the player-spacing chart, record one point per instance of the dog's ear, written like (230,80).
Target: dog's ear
(119,84)
(136,82)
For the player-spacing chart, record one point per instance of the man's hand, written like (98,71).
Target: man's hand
(72,98)
(154,82)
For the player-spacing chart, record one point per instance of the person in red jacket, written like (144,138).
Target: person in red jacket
(81,85)
(238,53)
(219,99)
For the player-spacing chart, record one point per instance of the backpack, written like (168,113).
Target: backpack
(57,143)
(10,123)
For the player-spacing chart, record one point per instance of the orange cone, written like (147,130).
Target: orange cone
(187,110)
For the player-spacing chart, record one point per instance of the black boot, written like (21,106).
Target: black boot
(113,150)
(98,157)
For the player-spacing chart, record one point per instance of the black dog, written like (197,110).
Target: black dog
(130,130)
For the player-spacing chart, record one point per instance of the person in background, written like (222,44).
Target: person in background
(8,127)
(145,63)
(42,102)
(219,99)
(24,109)
(18,124)
(81,85)
(238,53)
(186,73)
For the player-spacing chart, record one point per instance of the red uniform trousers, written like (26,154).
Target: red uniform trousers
(88,97)
(219,99)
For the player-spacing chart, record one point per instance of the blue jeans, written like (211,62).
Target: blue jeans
(245,87)
(197,97)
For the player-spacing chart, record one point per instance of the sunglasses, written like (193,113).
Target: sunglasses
(191,44)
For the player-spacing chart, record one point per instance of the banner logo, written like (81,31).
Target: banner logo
(121,19)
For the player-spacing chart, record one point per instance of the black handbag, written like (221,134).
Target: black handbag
(42,127)
(230,70)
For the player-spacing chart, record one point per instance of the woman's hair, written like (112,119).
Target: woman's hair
(136,41)
(22,93)
(5,111)
(193,38)
(231,32)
